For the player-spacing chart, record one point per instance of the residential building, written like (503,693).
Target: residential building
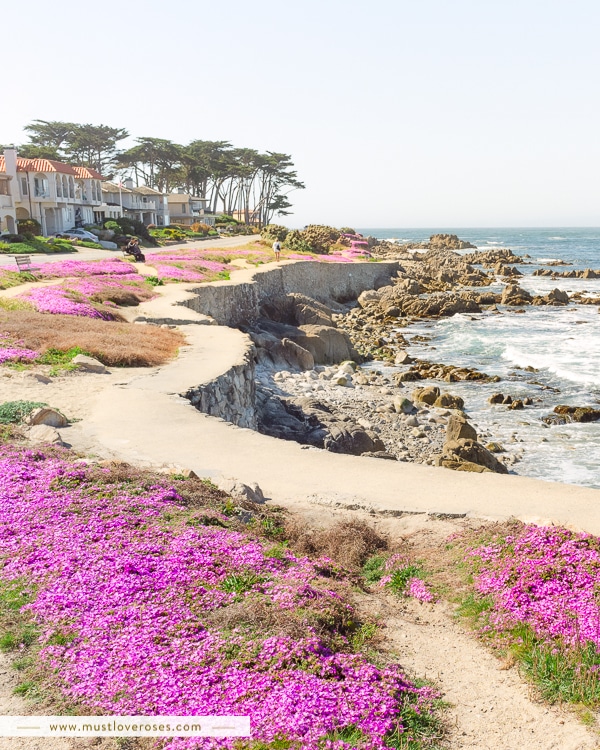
(251,218)
(8,222)
(57,195)
(142,203)
(188,209)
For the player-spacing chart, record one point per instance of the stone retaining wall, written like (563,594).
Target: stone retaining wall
(230,396)
(234,303)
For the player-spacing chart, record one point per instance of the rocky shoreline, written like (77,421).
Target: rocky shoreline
(362,406)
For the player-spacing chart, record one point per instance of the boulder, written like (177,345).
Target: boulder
(327,345)
(426,395)
(348,437)
(578,413)
(88,364)
(46,415)
(456,465)
(459,429)
(369,296)
(496,398)
(297,356)
(473,452)
(448,401)
(43,433)
(513,295)
(402,405)
(108,245)
(402,358)
(237,489)
(409,286)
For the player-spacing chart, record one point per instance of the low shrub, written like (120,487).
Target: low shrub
(320,237)
(29,227)
(274,232)
(295,242)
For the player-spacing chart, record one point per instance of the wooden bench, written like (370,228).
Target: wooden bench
(24,264)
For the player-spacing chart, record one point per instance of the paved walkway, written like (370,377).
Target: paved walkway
(146,421)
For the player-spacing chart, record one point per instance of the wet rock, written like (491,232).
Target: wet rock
(495,448)
(496,398)
(513,295)
(402,358)
(517,404)
(577,413)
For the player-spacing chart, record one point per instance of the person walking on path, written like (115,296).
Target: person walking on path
(277,249)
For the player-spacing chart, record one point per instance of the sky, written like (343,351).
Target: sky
(469,113)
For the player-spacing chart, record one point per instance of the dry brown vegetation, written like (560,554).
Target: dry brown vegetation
(113,343)
(349,543)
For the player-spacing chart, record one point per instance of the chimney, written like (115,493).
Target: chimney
(128,183)
(10,159)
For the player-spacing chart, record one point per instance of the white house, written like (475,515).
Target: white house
(142,203)
(55,194)
(8,221)
(188,209)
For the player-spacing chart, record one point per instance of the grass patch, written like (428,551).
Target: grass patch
(9,279)
(113,343)
(562,673)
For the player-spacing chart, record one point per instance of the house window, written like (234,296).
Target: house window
(40,186)
(58,187)
(4,187)
(24,187)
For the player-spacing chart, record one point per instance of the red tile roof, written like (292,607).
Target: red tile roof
(87,173)
(49,165)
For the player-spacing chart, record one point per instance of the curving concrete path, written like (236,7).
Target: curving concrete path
(145,420)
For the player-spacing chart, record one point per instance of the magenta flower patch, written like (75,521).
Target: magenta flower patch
(546,577)
(126,600)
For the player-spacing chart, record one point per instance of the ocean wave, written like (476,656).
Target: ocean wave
(546,260)
(565,368)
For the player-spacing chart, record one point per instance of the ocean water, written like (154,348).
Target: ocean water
(562,345)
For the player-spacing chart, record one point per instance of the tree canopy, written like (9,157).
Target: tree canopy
(242,181)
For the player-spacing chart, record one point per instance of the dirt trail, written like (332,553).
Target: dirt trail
(491,707)
(15,705)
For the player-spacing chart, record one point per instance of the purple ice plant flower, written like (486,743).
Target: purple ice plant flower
(124,585)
